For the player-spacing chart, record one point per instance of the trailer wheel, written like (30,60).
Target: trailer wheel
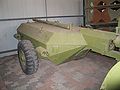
(27,57)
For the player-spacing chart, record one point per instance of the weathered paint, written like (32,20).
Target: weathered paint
(100,41)
(112,80)
(59,43)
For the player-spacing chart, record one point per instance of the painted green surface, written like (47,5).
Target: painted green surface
(64,56)
(64,41)
(100,41)
(60,44)
(55,43)
(117,41)
(35,34)
(119,22)
(112,80)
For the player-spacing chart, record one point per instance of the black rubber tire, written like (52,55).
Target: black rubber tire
(31,59)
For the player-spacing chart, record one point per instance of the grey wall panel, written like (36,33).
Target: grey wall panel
(7,30)
(21,8)
(65,7)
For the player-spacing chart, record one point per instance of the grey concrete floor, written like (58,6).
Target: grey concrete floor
(84,74)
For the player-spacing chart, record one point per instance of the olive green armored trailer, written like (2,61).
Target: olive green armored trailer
(60,42)
(50,40)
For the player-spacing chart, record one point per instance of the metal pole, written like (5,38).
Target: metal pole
(14,19)
(84,17)
(8,51)
(46,11)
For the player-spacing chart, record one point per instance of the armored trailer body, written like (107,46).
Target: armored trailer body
(60,42)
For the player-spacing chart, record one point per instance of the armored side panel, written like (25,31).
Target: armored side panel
(101,42)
